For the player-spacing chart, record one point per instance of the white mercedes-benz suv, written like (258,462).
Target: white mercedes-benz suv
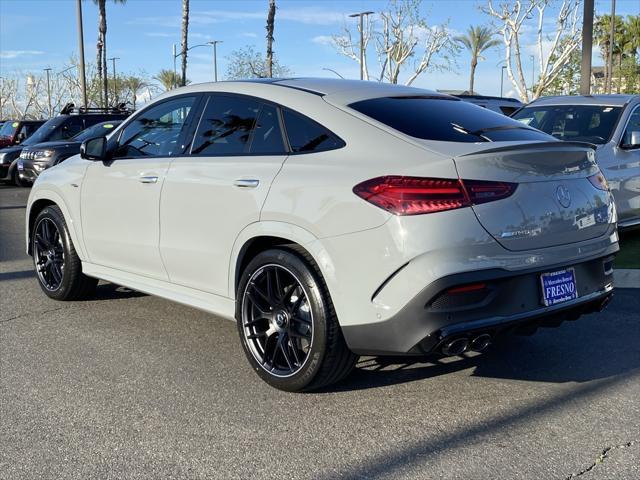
(332,219)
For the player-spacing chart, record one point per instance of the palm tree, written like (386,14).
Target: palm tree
(185,34)
(602,37)
(135,85)
(169,79)
(101,45)
(270,24)
(477,40)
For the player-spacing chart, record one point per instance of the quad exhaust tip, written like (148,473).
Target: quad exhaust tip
(455,346)
(458,346)
(481,342)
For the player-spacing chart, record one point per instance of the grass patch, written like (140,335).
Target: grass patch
(629,254)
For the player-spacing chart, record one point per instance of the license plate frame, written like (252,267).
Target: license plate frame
(559,286)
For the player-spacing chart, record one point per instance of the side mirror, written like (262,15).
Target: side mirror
(632,140)
(94,149)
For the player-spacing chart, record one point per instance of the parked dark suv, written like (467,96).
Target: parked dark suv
(13,132)
(69,123)
(34,159)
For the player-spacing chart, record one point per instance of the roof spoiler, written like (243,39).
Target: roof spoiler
(533,146)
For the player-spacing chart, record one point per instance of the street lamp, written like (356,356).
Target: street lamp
(360,16)
(115,79)
(212,43)
(502,79)
(533,72)
(83,77)
(48,90)
(215,58)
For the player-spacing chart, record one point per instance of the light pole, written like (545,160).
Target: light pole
(533,72)
(115,79)
(83,77)
(215,58)
(587,46)
(502,79)
(175,74)
(360,16)
(48,90)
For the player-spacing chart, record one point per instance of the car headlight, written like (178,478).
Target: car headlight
(40,154)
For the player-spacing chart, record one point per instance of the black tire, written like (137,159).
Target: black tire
(66,282)
(16,179)
(328,359)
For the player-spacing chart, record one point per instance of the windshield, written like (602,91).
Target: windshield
(49,131)
(581,123)
(8,129)
(97,130)
(445,119)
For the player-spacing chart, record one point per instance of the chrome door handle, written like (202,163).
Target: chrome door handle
(246,183)
(148,179)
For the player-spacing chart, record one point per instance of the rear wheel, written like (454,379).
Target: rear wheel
(58,267)
(287,323)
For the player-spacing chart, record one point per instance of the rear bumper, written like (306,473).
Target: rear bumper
(510,300)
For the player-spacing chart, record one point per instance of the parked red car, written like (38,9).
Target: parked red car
(14,132)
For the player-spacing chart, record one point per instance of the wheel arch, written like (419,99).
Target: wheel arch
(262,236)
(42,199)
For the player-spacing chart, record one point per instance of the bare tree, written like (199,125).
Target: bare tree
(185,35)
(248,63)
(350,48)
(405,41)
(560,43)
(270,25)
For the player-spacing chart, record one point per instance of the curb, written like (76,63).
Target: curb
(626,278)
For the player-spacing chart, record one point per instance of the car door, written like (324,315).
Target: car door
(627,161)
(121,197)
(218,189)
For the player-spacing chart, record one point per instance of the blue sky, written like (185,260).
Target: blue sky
(35,34)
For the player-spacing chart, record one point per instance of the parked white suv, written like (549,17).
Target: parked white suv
(331,219)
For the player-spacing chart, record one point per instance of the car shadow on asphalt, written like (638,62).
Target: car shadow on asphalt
(596,346)
(111,291)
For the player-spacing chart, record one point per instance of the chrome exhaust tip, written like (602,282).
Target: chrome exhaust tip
(481,342)
(455,346)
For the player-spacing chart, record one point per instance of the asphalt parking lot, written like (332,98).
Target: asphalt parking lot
(131,386)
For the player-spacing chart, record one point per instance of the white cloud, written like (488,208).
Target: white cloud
(307,15)
(8,54)
(160,34)
(323,40)
(248,34)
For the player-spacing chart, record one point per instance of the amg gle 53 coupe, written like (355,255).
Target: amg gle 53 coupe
(332,219)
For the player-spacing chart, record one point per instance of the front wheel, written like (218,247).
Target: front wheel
(58,267)
(287,324)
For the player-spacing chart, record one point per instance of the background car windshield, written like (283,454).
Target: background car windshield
(49,131)
(583,123)
(97,130)
(8,129)
(445,119)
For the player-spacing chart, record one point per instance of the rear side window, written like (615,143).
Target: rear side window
(445,119)
(267,135)
(226,126)
(305,135)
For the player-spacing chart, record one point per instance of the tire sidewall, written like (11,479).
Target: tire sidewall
(320,312)
(54,214)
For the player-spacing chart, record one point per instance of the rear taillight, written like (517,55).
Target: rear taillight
(599,182)
(416,195)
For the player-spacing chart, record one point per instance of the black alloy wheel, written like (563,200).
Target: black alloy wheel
(48,254)
(277,320)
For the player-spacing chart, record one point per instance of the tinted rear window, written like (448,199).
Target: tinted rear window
(583,123)
(445,119)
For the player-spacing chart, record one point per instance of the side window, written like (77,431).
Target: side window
(305,135)
(632,126)
(156,131)
(267,135)
(226,126)
(71,127)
